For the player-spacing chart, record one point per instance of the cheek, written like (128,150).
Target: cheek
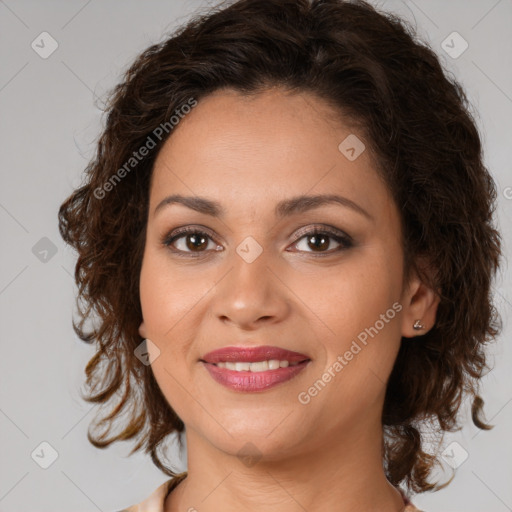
(359,305)
(173,303)
(166,297)
(361,354)
(353,296)
(178,390)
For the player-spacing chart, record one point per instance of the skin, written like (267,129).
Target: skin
(249,153)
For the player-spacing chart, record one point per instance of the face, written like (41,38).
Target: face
(310,277)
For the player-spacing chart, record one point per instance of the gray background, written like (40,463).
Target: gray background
(48,127)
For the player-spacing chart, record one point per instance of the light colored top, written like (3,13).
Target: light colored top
(156,500)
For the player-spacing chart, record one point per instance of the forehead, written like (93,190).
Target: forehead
(250,150)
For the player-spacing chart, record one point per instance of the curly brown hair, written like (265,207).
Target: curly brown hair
(417,121)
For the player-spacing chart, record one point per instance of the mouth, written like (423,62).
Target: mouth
(255,359)
(253,381)
(259,366)
(253,369)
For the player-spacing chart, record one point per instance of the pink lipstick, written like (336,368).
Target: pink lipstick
(257,368)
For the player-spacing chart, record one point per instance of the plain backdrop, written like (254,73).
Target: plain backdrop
(49,123)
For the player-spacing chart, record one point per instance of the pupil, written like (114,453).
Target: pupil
(194,240)
(319,242)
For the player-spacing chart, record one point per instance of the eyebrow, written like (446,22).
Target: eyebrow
(285,208)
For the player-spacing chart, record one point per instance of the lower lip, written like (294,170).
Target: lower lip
(253,381)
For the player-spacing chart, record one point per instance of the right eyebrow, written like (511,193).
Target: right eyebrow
(199,204)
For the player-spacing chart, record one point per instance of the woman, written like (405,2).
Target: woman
(287,237)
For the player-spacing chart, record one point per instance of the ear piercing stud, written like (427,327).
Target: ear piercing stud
(418,326)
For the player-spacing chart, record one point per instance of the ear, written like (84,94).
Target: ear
(419,302)
(142,330)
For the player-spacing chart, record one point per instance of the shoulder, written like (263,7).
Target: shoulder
(412,508)
(409,507)
(156,500)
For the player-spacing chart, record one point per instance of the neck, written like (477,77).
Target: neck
(332,475)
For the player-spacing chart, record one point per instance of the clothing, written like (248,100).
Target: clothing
(155,501)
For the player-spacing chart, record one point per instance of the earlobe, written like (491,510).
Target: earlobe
(420,309)
(142,330)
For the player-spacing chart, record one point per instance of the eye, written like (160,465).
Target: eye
(319,239)
(190,240)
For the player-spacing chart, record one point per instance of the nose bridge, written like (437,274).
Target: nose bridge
(250,261)
(250,290)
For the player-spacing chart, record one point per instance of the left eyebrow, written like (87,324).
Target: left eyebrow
(285,208)
(300,204)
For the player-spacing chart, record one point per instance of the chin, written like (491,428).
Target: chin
(268,444)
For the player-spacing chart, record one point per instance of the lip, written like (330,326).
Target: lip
(247,381)
(253,355)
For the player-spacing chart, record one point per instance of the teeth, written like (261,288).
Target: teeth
(260,366)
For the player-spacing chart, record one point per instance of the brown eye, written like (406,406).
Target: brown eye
(197,241)
(319,241)
(189,241)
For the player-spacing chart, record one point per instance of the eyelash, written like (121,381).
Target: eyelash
(338,236)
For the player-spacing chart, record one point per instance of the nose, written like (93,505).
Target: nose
(250,295)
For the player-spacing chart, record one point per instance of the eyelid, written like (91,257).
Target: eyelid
(174,234)
(343,240)
(322,228)
(340,237)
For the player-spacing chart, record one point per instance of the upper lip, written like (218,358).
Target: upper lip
(253,355)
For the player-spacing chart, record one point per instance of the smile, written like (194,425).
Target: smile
(245,379)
